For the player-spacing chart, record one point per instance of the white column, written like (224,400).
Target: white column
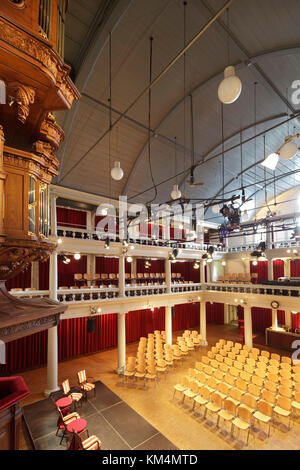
(274,319)
(270,269)
(35,275)
(226,314)
(203,321)
(168,324)
(91,264)
(208,270)
(133,268)
(248,327)
(168,275)
(121,276)
(287,267)
(288,318)
(53,219)
(52,352)
(121,344)
(202,269)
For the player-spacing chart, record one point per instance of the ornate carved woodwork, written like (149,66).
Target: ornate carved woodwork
(37,84)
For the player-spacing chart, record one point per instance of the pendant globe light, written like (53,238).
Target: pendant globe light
(176,193)
(230,87)
(289,149)
(216,209)
(116,172)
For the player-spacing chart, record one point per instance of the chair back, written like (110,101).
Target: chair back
(249,400)
(265,408)
(268,396)
(284,403)
(77,276)
(230,406)
(244,414)
(66,386)
(81,376)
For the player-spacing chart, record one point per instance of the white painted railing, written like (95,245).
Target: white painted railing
(30,293)
(87,294)
(262,289)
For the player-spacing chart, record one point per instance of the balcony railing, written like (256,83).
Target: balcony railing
(252,289)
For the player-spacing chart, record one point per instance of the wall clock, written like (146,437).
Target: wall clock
(274,304)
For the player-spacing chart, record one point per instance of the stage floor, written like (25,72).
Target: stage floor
(108,417)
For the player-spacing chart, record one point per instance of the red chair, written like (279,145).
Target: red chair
(84,385)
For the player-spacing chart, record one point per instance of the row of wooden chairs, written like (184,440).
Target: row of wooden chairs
(238,277)
(112,276)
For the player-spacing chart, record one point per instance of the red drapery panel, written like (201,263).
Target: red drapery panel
(141,322)
(66,271)
(261,319)
(44,275)
(157,266)
(215,312)
(185,316)
(70,217)
(295,268)
(295,320)
(22,280)
(107,265)
(278,269)
(187,271)
(261,269)
(280,317)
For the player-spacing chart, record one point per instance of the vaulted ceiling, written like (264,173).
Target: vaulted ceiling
(264,45)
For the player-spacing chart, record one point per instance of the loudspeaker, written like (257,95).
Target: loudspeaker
(91,325)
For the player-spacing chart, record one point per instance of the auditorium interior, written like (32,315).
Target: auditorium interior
(149,225)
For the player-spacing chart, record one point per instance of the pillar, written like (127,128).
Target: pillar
(274,319)
(35,275)
(226,314)
(52,352)
(121,344)
(202,271)
(168,324)
(121,276)
(203,322)
(2,183)
(133,268)
(248,326)
(53,218)
(270,269)
(208,270)
(288,318)
(168,275)
(287,267)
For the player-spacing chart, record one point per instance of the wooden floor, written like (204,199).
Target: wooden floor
(176,422)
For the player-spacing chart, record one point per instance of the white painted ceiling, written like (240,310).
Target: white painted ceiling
(264,43)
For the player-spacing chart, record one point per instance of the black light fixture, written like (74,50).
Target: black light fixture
(64,259)
(147,263)
(107,243)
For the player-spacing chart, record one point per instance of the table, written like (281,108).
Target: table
(78,426)
(281,339)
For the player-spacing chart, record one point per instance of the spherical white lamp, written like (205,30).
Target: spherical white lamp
(117,172)
(77,256)
(216,209)
(176,193)
(230,87)
(289,149)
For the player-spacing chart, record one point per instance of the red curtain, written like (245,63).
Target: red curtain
(261,319)
(44,275)
(295,320)
(71,217)
(187,271)
(186,316)
(141,322)
(278,269)
(157,266)
(261,269)
(22,280)
(66,271)
(295,268)
(214,312)
(107,265)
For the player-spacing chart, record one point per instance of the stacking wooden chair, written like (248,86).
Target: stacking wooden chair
(191,392)
(181,387)
(214,405)
(228,412)
(264,413)
(202,398)
(243,421)
(283,408)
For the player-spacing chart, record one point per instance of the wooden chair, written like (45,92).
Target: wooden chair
(243,421)
(283,408)
(191,392)
(202,398)
(181,387)
(215,404)
(90,443)
(264,413)
(75,396)
(228,413)
(84,385)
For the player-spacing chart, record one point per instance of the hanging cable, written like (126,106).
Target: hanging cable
(110,118)
(222,131)
(149,123)
(255,156)
(184,88)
